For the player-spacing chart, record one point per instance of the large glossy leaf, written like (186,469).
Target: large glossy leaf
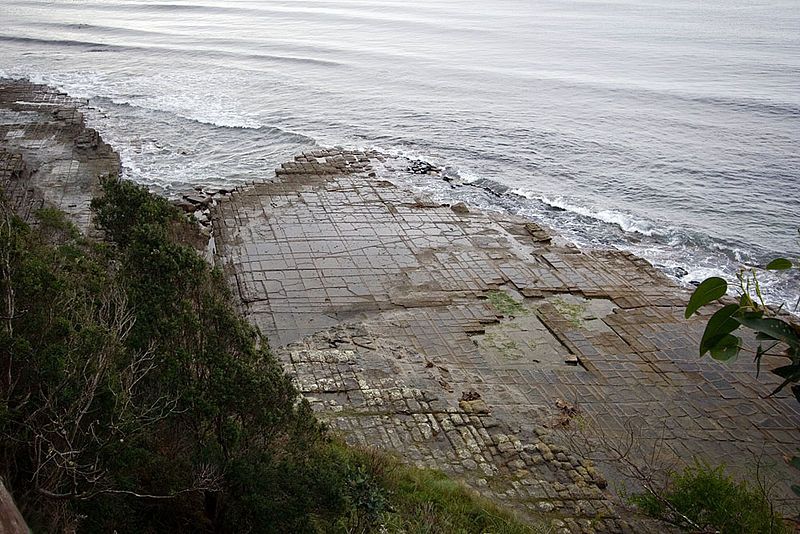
(719,325)
(779,264)
(726,348)
(708,291)
(773,328)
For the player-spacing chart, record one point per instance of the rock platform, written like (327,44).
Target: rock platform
(482,345)
(48,156)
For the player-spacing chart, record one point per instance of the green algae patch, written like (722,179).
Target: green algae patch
(502,344)
(505,304)
(572,312)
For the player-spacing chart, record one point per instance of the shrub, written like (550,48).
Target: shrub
(705,497)
(136,397)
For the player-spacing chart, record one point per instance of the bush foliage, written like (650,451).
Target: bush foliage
(704,498)
(134,396)
(777,336)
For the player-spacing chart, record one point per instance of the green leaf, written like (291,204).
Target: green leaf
(788,371)
(791,373)
(793,353)
(708,291)
(779,264)
(726,348)
(772,328)
(719,326)
(759,353)
(796,391)
(795,462)
(796,489)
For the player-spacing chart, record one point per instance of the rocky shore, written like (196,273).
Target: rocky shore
(48,156)
(477,343)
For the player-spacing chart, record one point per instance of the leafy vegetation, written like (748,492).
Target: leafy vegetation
(422,501)
(703,498)
(133,398)
(777,335)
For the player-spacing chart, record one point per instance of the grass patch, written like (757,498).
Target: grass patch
(714,502)
(424,501)
(507,348)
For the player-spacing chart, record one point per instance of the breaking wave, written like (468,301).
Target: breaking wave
(627,223)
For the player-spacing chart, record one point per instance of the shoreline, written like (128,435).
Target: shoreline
(408,325)
(683,252)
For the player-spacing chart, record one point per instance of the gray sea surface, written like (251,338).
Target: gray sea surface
(670,128)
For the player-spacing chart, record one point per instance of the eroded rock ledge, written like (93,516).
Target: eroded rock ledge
(48,156)
(474,343)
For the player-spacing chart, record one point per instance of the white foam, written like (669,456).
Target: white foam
(41,104)
(624,221)
(148,94)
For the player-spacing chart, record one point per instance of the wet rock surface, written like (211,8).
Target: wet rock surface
(469,341)
(48,157)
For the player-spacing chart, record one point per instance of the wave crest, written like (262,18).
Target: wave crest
(626,222)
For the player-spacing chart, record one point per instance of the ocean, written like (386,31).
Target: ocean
(669,128)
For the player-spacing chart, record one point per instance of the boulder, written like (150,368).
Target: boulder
(460,208)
